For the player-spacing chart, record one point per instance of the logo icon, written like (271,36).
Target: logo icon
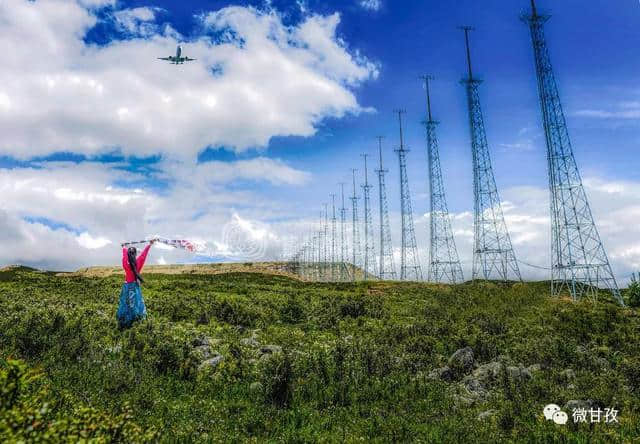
(552,412)
(560,417)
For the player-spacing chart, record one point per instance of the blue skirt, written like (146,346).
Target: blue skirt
(131,306)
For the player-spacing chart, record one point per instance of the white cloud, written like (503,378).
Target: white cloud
(526,209)
(525,145)
(88,211)
(372,5)
(67,95)
(96,4)
(604,114)
(623,110)
(233,224)
(526,141)
(136,21)
(237,235)
(91,243)
(265,169)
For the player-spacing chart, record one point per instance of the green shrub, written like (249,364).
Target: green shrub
(357,366)
(28,413)
(234,312)
(292,311)
(631,370)
(276,378)
(633,293)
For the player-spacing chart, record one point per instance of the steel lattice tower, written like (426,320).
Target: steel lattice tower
(344,275)
(355,232)
(320,242)
(325,229)
(333,237)
(493,255)
(369,249)
(316,256)
(320,247)
(579,262)
(387,264)
(444,263)
(409,263)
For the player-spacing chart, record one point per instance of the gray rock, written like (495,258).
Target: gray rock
(203,352)
(525,373)
(211,363)
(601,363)
(489,372)
(513,372)
(474,386)
(270,349)
(251,342)
(487,414)
(568,374)
(201,340)
(462,400)
(519,374)
(534,368)
(205,340)
(443,373)
(573,404)
(462,360)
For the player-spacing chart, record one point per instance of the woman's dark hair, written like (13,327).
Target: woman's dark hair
(131,256)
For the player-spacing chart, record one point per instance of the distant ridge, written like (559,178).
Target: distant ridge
(271,268)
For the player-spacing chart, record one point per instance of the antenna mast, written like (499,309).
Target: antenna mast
(493,256)
(409,263)
(354,226)
(444,264)
(579,262)
(387,265)
(369,249)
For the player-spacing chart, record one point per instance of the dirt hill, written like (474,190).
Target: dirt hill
(311,272)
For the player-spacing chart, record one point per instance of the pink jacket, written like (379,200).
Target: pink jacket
(128,273)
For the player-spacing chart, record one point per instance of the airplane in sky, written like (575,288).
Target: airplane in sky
(177,59)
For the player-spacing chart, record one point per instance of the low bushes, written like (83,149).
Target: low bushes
(356,364)
(28,412)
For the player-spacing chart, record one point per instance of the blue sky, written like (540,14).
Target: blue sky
(268,168)
(595,69)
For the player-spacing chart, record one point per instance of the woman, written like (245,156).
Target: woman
(132,306)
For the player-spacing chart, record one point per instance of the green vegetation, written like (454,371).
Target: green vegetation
(633,292)
(256,357)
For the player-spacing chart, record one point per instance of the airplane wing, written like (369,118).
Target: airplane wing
(187,59)
(165,58)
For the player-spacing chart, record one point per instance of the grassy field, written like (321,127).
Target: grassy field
(251,357)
